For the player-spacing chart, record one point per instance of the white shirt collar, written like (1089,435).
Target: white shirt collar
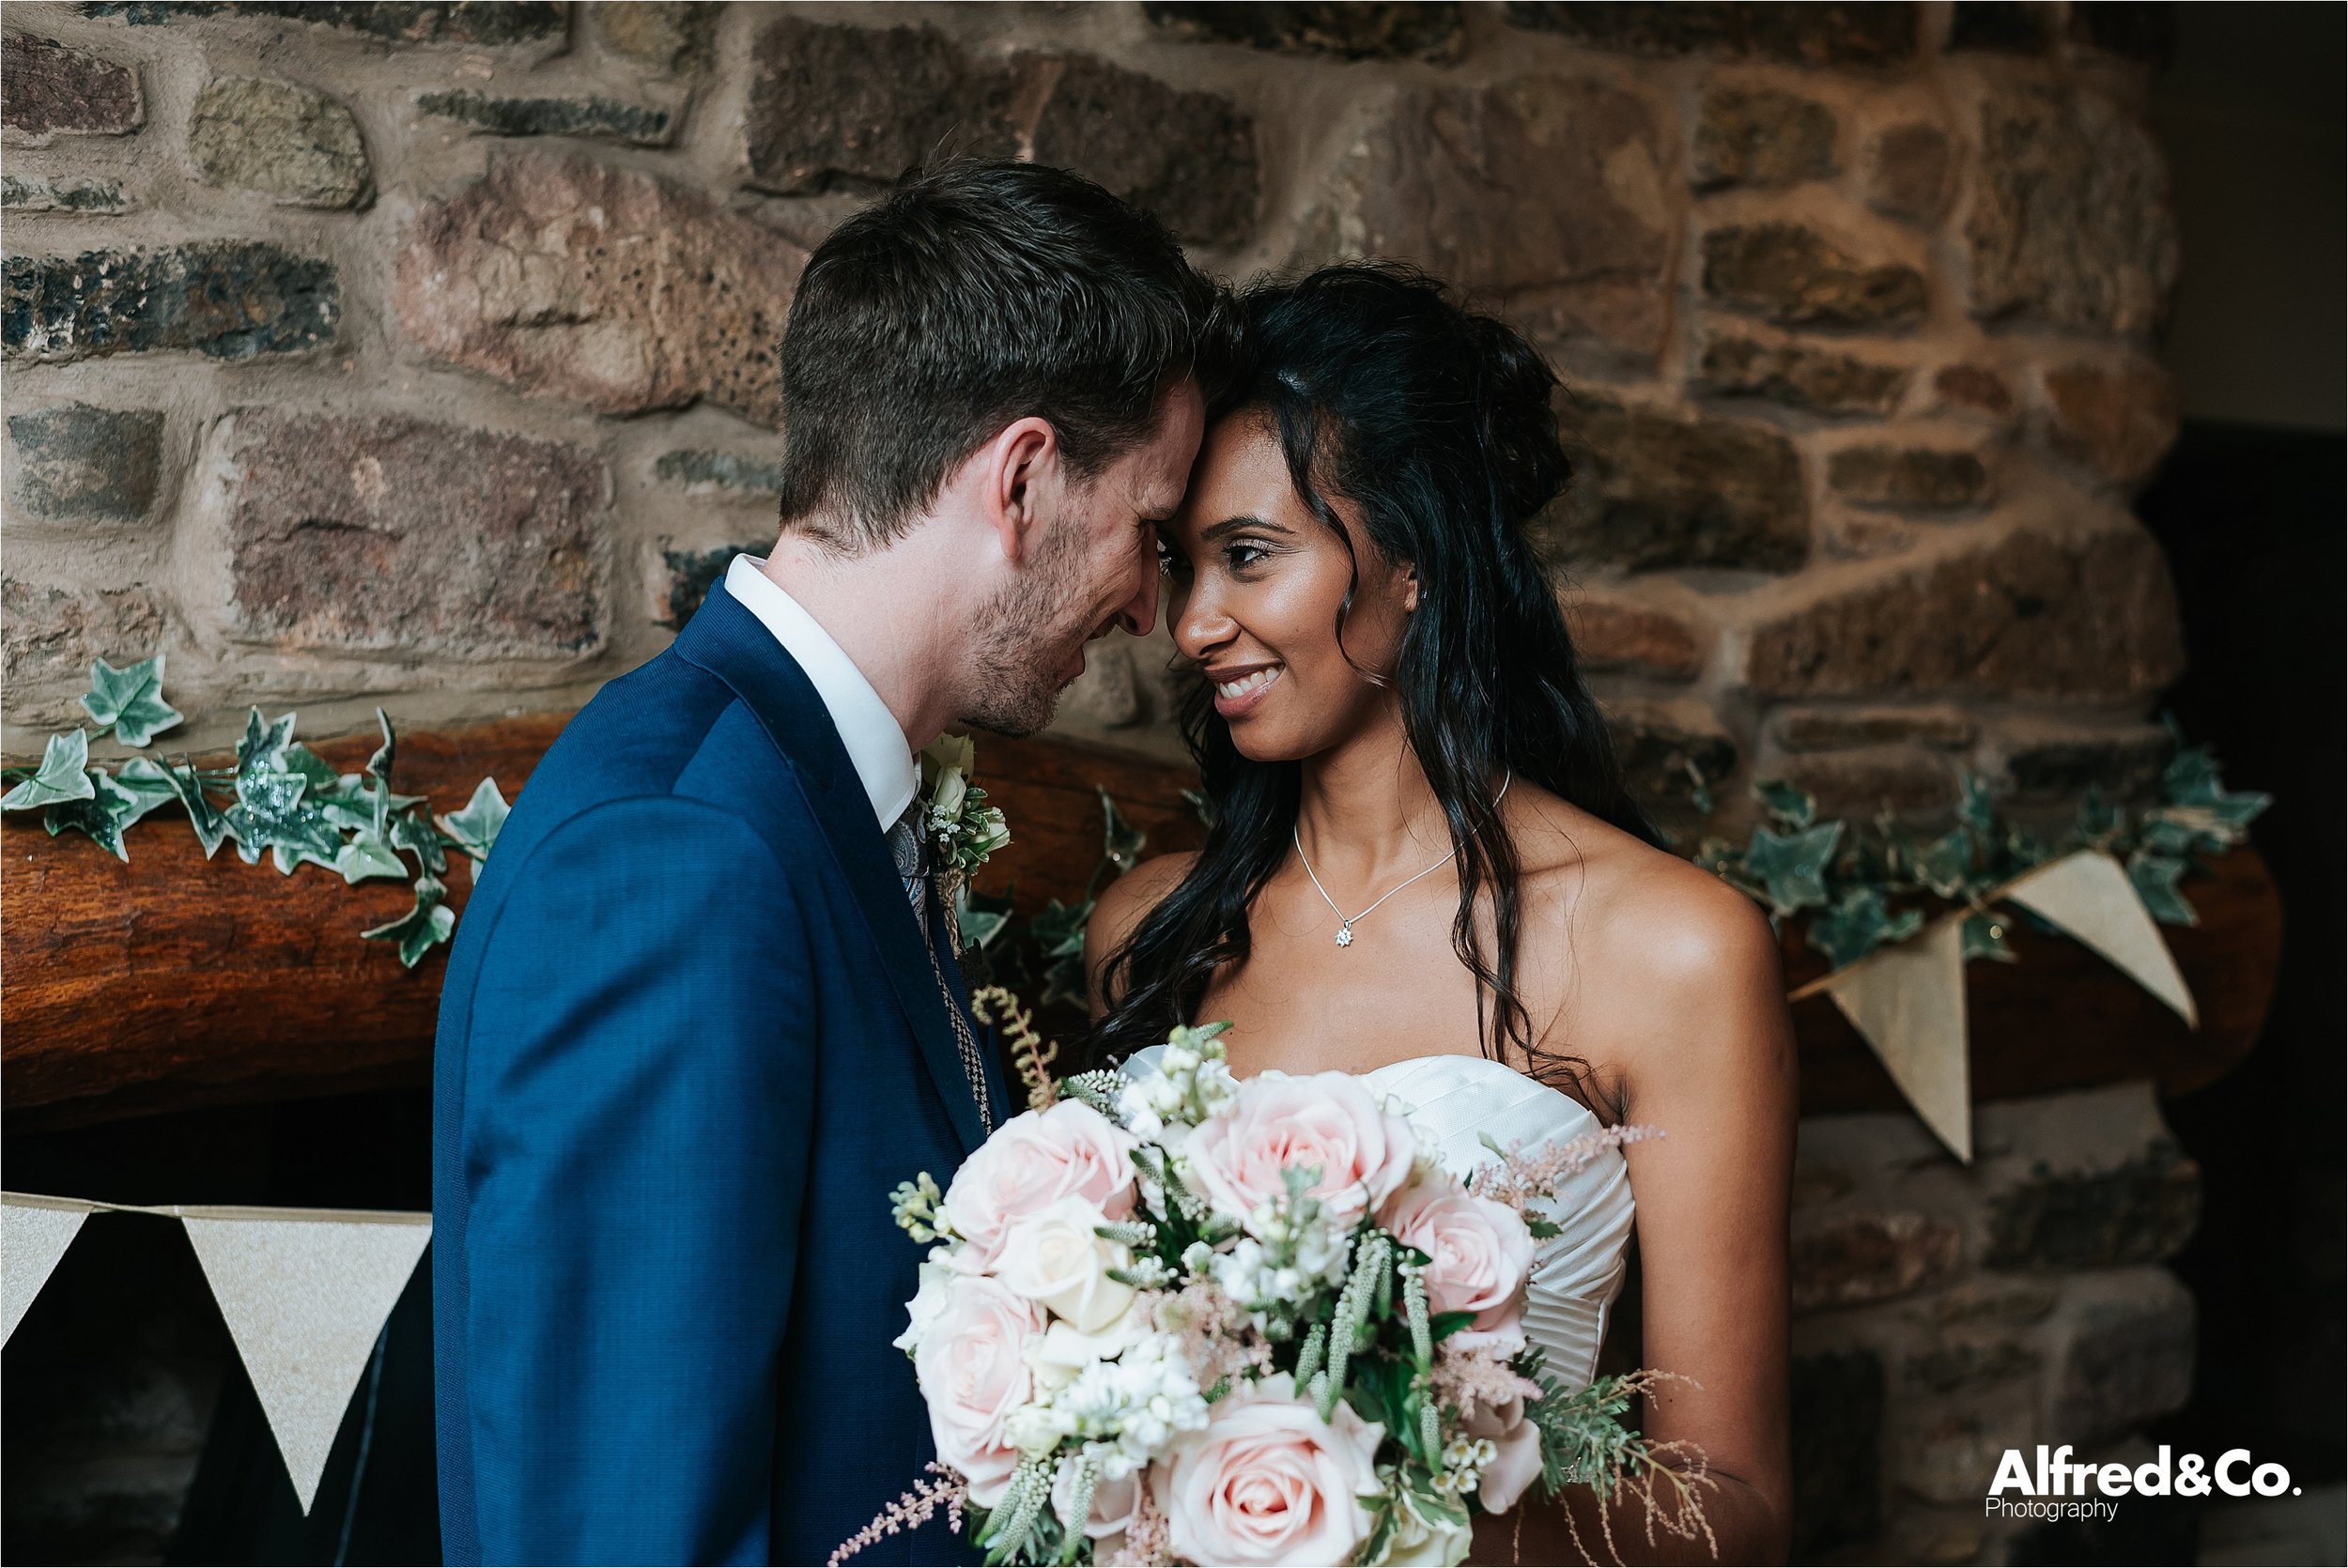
(875,742)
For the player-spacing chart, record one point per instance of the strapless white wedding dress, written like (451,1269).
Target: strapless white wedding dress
(1457,1102)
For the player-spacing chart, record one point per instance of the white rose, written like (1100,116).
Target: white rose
(1064,1350)
(1054,1257)
(928,1302)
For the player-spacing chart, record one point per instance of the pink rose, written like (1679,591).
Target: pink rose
(973,1372)
(1481,1255)
(1268,1480)
(1033,1161)
(1327,1120)
(1517,1464)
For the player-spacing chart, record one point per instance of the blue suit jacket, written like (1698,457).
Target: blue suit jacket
(689,1039)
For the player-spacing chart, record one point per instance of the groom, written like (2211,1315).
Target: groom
(701,1016)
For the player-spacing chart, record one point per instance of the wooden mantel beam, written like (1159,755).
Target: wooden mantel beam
(171,982)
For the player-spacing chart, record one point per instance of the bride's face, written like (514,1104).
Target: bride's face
(1257,588)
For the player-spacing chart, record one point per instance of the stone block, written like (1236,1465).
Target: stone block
(1860,35)
(225,298)
(2131,29)
(1369,30)
(1612,635)
(1816,380)
(1107,693)
(1974,387)
(1664,745)
(1764,138)
(285,141)
(451,21)
(1907,479)
(1854,1260)
(1833,728)
(47,90)
(2049,757)
(391,536)
(837,105)
(686,576)
(50,634)
(2089,614)
(1797,276)
(86,196)
(1653,491)
(2119,421)
(2070,222)
(573,279)
(1908,170)
(2062,1217)
(721,470)
(1545,195)
(1948,1455)
(1837,1411)
(1960,1366)
(670,34)
(1902,779)
(76,463)
(1188,157)
(2129,1357)
(608,119)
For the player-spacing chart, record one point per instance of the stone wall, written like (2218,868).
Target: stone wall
(421,354)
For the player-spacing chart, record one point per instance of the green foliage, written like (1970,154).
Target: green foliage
(280,798)
(1864,889)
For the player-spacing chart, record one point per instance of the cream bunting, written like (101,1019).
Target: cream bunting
(2089,896)
(34,1234)
(1907,1003)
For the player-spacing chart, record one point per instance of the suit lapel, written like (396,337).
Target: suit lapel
(730,643)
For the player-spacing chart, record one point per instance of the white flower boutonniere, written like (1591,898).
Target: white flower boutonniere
(963,830)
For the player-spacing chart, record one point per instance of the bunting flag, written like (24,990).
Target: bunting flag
(1907,1003)
(304,1292)
(2089,895)
(34,1234)
(305,1295)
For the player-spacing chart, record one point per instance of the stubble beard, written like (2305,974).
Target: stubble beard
(1026,638)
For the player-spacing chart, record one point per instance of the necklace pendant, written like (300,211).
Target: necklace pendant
(1345,934)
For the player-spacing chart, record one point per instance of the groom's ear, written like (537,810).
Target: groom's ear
(1019,473)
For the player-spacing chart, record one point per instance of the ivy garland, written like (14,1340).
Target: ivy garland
(281,797)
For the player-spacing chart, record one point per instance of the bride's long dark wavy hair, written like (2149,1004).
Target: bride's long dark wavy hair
(1436,424)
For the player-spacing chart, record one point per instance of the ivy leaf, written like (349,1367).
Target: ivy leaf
(210,826)
(418,931)
(1857,924)
(1787,802)
(980,918)
(476,828)
(263,748)
(271,814)
(413,831)
(131,701)
(325,783)
(1974,809)
(1699,789)
(1120,843)
(2154,877)
(1985,938)
(63,775)
(146,782)
(380,765)
(1792,868)
(366,856)
(103,816)
(2098,819)
(1946,864)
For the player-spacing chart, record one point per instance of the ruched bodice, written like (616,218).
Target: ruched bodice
(1457,1103)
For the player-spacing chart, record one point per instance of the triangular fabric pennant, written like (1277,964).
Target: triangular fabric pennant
(2089,896)
(34,1234)
(1907,1002)
(305,1300)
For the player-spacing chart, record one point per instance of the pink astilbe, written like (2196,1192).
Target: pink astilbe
(1147,1543)
(940,1488)
(1481,1378)
(1211,1333)
(1519,1179)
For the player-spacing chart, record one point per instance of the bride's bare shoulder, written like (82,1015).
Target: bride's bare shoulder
(1123,902)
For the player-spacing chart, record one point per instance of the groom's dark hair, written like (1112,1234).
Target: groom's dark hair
(973,294)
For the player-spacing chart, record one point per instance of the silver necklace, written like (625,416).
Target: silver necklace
(1346,922)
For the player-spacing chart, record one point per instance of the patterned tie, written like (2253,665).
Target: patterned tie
(910,850)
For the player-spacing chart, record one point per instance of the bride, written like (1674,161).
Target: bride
(1425,868)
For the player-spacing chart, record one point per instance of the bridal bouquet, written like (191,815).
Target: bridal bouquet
(1179,1317)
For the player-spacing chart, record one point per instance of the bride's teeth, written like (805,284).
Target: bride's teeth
(1245,685)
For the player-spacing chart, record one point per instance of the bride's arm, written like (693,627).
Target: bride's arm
(1696,1017)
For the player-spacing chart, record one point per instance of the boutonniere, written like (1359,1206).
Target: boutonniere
(963,830)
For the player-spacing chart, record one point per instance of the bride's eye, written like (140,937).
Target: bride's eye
(1240,554)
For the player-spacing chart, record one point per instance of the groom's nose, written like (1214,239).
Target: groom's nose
(1139,613)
